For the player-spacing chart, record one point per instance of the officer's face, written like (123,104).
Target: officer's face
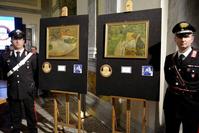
(33,50)
(183,42)
(18,43)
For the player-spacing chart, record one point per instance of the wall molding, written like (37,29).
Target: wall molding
(19,9)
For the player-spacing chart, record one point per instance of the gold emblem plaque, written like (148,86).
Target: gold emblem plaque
(106,70)
(46,67)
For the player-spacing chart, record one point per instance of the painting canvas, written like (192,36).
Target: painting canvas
(62,42)
(126,39)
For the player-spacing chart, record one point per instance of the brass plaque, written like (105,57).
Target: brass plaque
(106,70)
(46,67)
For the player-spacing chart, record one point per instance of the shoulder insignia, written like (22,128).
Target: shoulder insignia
(174,54)
(11,52)
(194,53)
(26,53)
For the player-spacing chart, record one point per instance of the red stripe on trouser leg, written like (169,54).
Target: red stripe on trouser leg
(198,128)
(35,111)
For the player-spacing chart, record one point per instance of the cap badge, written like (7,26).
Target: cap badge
(18,31)
(184,25)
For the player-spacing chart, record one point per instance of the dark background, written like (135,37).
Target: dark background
(64,81)
(132,85)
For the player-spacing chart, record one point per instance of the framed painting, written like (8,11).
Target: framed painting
(62,42)
(126,39)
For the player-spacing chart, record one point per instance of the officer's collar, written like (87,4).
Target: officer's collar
(186,53)
(21,51)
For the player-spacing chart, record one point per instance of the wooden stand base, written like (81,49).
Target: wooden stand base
(128,113)
(56,110)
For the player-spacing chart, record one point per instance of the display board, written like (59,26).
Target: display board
(128,54)
(63,53)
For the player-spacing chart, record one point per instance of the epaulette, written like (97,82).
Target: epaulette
(26,53)
(174,54)
(11,52)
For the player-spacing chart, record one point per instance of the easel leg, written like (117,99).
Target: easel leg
(113,115)
(67,110)
(55,114)
(56,110)
(79,113)
(144,117)
(128,116)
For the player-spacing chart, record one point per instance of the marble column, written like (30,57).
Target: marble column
(92,13)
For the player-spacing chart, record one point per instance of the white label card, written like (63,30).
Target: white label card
(61,68)
(126,69)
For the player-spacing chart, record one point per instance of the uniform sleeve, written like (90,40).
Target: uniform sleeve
(168,70)
(35,67)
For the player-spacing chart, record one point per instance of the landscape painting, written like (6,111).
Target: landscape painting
(126,39)
(62,42)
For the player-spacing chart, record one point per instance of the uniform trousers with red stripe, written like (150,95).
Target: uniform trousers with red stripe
(16,112)
(173,122)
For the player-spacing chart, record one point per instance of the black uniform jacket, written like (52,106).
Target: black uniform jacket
(186,104)
(21,84)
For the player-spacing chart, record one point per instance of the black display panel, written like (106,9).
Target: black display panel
(63,53)
(124,72)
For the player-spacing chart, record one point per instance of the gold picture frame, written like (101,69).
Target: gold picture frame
(62,42)
(126,39)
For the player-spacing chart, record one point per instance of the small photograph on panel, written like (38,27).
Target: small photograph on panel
(77,68)
(147,70)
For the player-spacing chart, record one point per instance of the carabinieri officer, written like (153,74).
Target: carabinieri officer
(21,71)
(181,103)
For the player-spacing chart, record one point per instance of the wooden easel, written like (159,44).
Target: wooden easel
(56,110)
(56,93)
(128,113)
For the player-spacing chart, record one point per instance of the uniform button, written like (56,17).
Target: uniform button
(179,69)
(193,75)
(169,68)
(193,71)
(177,83)
(17,75)
(18,82)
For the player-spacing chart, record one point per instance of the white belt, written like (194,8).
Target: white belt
(21,63)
